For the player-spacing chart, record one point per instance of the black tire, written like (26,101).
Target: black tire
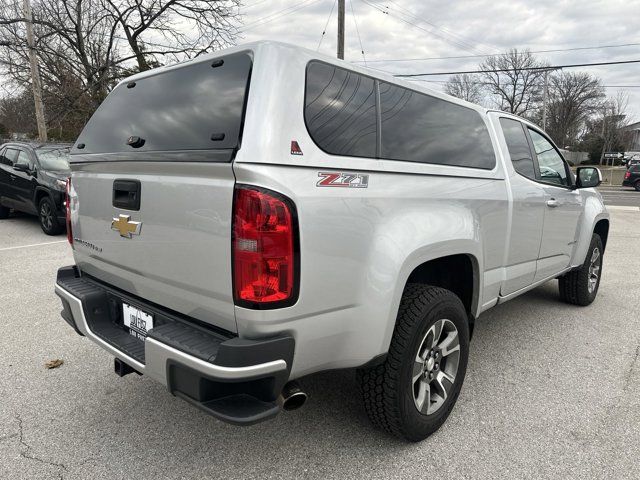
(388,389)
(48,218)
(637,186)
(4,212)
(575,286)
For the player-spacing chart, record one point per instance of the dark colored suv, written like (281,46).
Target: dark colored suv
(632,177)
(33,180)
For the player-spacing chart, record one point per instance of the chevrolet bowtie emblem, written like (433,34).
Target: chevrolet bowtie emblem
(125,226)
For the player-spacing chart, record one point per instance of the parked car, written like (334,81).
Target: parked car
(33,179)
(283,213)
(632,177)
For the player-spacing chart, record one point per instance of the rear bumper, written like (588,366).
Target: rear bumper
(233,379)
(628,183)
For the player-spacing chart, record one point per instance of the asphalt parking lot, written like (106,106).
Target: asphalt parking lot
(552,391)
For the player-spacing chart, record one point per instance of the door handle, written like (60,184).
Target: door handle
(552,202)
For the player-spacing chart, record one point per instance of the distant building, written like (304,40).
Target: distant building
(632,137)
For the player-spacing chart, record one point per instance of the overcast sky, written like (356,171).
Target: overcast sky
(459,28)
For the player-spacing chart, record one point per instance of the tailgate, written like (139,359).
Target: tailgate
(170,135)
(179,256)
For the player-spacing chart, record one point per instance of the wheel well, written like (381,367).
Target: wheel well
(602,229)
(39,195)
(455,273)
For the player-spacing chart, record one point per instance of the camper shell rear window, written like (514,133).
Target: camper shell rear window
(198,106)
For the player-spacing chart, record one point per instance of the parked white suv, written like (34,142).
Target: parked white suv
(250,217)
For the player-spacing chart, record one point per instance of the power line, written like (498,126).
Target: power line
(357,32)
(442,29)
(324,31)
(488,83)
(597,47)
(279,14)
(255,4)
(550,67)
(454,42)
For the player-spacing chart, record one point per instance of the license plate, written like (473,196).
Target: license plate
(137,321)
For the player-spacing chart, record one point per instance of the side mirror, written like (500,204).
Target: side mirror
(588,177)
(21,167)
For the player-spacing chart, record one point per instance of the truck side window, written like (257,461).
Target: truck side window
(340,110)
(421,128)
(518,146)
(551,165)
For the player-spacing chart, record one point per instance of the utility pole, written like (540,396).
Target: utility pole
(341,29)
(35,74)
(544,99)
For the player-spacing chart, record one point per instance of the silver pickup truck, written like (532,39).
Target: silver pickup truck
(250,217)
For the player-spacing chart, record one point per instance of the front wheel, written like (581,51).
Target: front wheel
(580,286)
(637,186)
(412,393)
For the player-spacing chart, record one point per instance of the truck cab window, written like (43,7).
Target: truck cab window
(518,146)
(551,165)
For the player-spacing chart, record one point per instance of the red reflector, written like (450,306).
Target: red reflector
(627,175)
(264,249)
(67,201)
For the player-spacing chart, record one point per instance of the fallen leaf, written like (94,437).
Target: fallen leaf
(54,363)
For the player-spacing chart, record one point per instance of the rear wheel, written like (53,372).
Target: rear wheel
(412,393)
(4,212)
(580,286)
(637,186)
(48,218)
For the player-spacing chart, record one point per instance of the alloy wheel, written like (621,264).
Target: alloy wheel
(46,216)
(594,269)
(435,366)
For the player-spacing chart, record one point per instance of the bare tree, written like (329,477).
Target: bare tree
(74,38)
(573,98)
(17,113)
(85,46)
(466,86)
(614,119)
(515,78)
(182,27)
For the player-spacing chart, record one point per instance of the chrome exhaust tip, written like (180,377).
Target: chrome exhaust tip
(292,396)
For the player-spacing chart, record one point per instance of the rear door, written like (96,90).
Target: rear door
(153,187)
(563,207)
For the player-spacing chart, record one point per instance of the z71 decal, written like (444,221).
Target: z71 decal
(338,179)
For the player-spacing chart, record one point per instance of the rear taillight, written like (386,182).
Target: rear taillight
(264,243)
(67,201)
(627,174)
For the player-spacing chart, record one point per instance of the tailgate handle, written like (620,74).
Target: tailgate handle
(126,194)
